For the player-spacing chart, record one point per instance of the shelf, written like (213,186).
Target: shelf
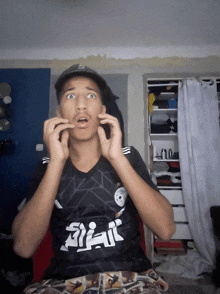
(170,112)
(169,187)
(166,110)
(162,85)
(165,160)
(169,136)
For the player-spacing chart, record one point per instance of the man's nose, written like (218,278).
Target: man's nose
(81,102)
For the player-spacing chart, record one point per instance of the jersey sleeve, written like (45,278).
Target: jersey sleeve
(37,177)
(140,167)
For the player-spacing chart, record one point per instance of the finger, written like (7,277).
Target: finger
(62,127)
(56,121)
(107,116)
(56,132)
(111,121)
(114,126)
(53,122)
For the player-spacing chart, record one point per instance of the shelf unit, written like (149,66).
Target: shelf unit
(165,90)
(156,141)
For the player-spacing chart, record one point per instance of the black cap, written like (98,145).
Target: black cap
(79,70)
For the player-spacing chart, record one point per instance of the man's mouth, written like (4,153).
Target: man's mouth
(82,120)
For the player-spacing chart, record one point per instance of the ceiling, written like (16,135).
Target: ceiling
(50,29)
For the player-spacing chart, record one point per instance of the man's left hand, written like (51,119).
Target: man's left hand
(111,148)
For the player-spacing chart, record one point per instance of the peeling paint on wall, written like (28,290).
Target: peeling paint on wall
(173,64)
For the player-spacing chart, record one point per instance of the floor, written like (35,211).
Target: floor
(179,285)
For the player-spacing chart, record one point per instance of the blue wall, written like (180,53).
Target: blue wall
(28,110)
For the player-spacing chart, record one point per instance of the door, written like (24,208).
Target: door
(26,114)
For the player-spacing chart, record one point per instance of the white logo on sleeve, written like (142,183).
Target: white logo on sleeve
(120,196)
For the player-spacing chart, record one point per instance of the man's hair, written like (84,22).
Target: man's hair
(107,96)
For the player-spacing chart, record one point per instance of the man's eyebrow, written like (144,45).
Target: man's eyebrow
(92,89)
(67,90)
(88,88)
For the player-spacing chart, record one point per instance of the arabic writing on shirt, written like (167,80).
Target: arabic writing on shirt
(107,238)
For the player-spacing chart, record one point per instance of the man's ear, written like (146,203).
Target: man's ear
(58,112)
(103,109)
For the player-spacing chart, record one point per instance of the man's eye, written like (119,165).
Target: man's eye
(70,96)
(91,96)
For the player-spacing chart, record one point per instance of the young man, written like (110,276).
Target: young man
(97,187)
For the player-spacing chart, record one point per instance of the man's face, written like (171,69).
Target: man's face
(81,103)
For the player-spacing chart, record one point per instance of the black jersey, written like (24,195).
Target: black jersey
(94,222)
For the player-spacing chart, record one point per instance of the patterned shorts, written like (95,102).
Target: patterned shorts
(122,282)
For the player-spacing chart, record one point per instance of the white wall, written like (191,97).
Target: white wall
(136,69)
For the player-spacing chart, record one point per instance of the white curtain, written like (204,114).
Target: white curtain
(199,152)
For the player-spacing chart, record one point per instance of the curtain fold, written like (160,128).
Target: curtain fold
(199,152)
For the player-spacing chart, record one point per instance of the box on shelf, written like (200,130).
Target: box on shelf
(167,95)
(175,251)
(170,247)
(169,244)
(172,103)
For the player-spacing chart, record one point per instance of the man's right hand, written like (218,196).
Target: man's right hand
(57,147)
(32,222)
